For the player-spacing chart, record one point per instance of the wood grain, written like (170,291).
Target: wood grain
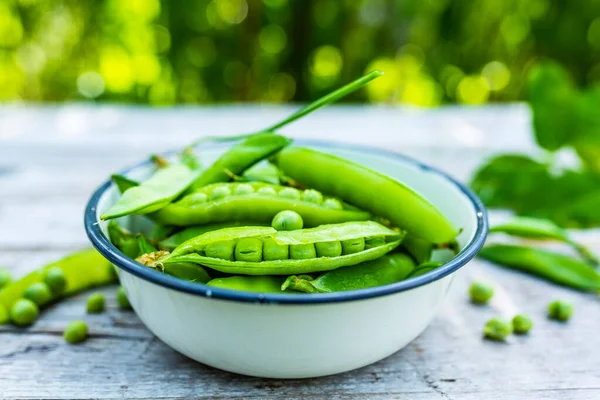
(51,158)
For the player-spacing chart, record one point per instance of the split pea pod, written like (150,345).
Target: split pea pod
(240,157)
(558,268)
(382,271)
(256,201)
(542,229)
(178,238)
(82,270)
(265,251)
(368,189)
(186,271)
(123,183)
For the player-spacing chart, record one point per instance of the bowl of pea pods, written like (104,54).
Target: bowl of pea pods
(272,257)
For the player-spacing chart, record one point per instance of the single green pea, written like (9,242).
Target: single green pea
(269,191)
(333,204)
(560,310)
(497,329)
(373,242)
(312,196)
(196,198)
(122,299)
(249,249)
(287,220)
(219,192)
(480,292)
(39,293)
(329,249)
(223,249)
(352,246)
(56,281)
(274,251)
(290,193)
(76,332)
(5,277)
(521,324)
(95,303)
(242,189)
(302,251)
(24,312)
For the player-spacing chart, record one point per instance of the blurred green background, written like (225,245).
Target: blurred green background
(206,51)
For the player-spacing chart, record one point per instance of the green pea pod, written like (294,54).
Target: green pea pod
(272,252)
(254,201)
(268,173)
(424,268)
(559,268)
(369,190)
(382,271)
(260,284)
(240,157)
(123,240)
(145,247)
(186,271)
(178,238)
(420,250)
(155,193)
(123,183)
(542,229)
(161,232)
(82,270)
(190,159)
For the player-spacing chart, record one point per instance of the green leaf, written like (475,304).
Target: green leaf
(552,99)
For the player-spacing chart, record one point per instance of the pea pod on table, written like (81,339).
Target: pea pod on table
(388,269)
(559,268)
(265,251)
(256,201)
(369,190)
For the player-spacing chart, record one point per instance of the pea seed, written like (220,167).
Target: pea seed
(196,198)
(560,310)
(76,332)
(24,312)
(373,242)
(333,204)
(220,192)
(5,277)
(39,293)
(122,299)
(249,249)
(242,189)
(56,281)
(222,249)
(289,193)
(274,251)
(352,246)
(269,191)
(95,303)
(329,249)
(521,324)
(497,329)
(287,220)
(312,196)
(302,251)
(480,292)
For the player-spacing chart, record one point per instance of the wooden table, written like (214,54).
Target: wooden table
(51,158)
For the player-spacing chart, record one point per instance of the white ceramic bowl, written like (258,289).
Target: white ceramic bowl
(287,335)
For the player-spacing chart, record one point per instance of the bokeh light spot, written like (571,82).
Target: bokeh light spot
(232,11)
(90,84)
(116,69)
(147,68)
(31,58)
(496,74)
(272,39)
(282,87)
(201,51)
(326,62)
(473,90)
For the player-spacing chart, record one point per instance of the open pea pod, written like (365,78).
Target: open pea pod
(369,190)
(180,237)
(255,201)
(265,251)
(155,193)
(388,269)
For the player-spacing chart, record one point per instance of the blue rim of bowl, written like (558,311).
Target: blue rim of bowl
(120,260)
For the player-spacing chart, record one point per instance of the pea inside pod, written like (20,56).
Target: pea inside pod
(301,248)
